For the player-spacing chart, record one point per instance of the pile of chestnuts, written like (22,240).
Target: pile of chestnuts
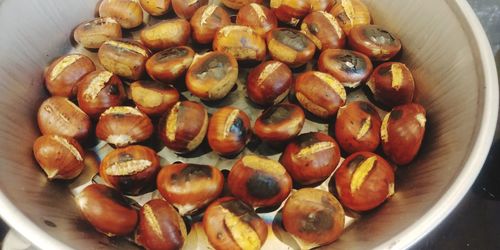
(171,85)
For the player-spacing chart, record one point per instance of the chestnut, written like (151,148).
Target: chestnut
(170,64)
(131,170)
(320,93)
(402,132)
(189,187)
(185,9)
(311,158)
(107,210)
(153,98)
(279,123)
(184,127)
(392,84)
(238,4)
(92,34)
(206,21)
(98,91)
(314,217)
(258,17)
(166,34)
(228,131)
(350,13)
(62,75)
(290,46)
(323,30)
(231,224)
(269,83)
(59,116)
(128,13)
(321,5)
(155,7)
(122,126)
(242,42)
(60,157)
(351,68)
(124,58)
(160,227)
(374,41)
(259,182)
(363,181)
(357,127)
(290,11)
(212,75)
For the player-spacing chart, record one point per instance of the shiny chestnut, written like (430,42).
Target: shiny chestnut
(231,224)
(124,58)
(364,181)
(374,41)
(242,42)
(350,13)
(92,34)
(357,127)
(392,84)
(155,7)
(258,17)
(290,46)
(351,68)
(166,34)
(189,187)
(311,158)
(320,93)
(63,74)
(279,123)
(238,4)
(170,64)
(185,9)
(128,13)
(107,210)
(402,132)
(153,98)
(228,131)
(323,29)
(184,127)
(206,21)
(269,83)
(131,170)
(290,11)
(321,5)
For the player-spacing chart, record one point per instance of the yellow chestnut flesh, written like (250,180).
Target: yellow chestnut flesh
(128,13)
(124,58)
(350,13)
(166,34)
(269,83)
(92,34)
(153,98)
(242,42)
(290,46)
(155,7)
(392,84)
(62,75)
(323,29)
(228,131)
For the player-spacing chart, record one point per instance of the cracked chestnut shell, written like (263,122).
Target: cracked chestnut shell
(131,170)
(311,158)
(228,131)
(320,93)
(402,132)
(279,123)
(231,224)
(392,84)
(321,5)
(63,74)
(184,127)
(155,7)
(107,210)
(92,34)
(290,11)
(351,68)
(364,181)
(323,30)
(185,9)
(170,64)
(269,83)
(258,17)
(259,182)
(350,13)
(290,47)
(166,34)
(313,216)
(189,187)
(357,127)
(238,4)
(128,13)
(374,41)
(206,21)
(153,98)
(125,58)
(242,42)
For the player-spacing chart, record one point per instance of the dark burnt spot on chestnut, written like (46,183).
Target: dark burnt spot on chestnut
(276,114)
(343,18)
(396,115)
(313,27)
(318,221)
(306,140)
(124,157)
(352,64)
(379,36)
(236,207)
(171,53)
(292,39)
(238,128)
(367,108)
(113,90)
(126,182)
(214,67)
(354,163)
(262,186)
(191,172)
(49,223)
(384,70)
(115,196)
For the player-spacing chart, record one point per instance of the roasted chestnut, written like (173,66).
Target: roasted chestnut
(131,170)
(155,7)
(231,224)
(212,75)
(311,158)
(170,64)
(374,41)
(242,42)
(315,217)
(60,157)
(128,13)
(363,181)
(238,4)
(59,116)
(160,227)
(206,21)
(290,46)
(350,13)
(166,34)
(351,68)
(323,30)
(185,9)
(228,131)
(269,83)
(321,5)
(392,84)
(98,91)
(92,34)
(107,210)
(290,11)
(258,17)
(153,98)
(189,187)
(184,127)
(63,74)
(320,93)
(402,132)
(259,182)
(279,123)
(357,127)
(124,58)
(122,126)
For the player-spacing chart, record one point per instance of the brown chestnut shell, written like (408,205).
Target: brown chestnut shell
(351,68)
(350,13)
(290,11)
(290,47)
(269,83)
(170,64)
(374,41)
(125,58)
(238,4)
(258,17)
(92,34)
(166,34)
(62,75)
(323,30)
(228,131)
(279,123)
(153,98)
(128,13)
(155,7)
(392,84)
(206,21)
(185,9)
(242,42)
